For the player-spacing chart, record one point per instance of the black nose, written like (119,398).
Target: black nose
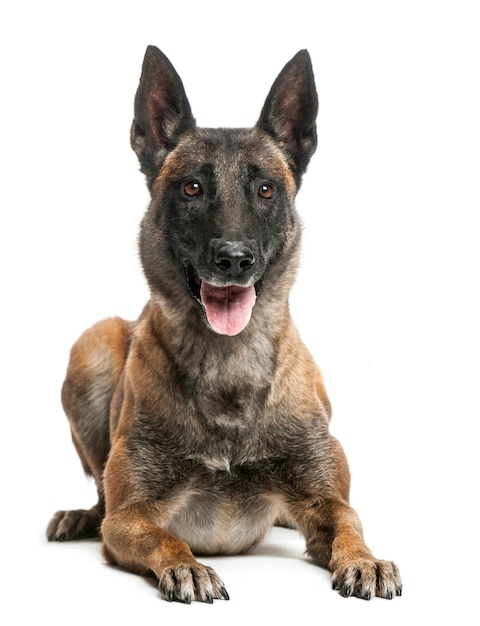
(234,258)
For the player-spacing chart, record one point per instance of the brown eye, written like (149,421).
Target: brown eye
(193,188)
(265,191)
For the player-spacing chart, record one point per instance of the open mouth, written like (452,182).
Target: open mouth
(228,309)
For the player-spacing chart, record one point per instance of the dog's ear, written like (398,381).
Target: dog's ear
(162,112)
(290,112)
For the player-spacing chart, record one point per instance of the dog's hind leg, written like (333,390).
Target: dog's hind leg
(96,364)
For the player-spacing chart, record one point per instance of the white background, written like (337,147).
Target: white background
(387,297)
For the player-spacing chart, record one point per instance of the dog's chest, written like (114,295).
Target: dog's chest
(221,513)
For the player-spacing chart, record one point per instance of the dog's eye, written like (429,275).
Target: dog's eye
(266,191)
(193,188)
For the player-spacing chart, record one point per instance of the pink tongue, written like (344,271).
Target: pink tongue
(228,309)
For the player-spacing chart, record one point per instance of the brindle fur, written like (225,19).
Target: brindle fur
(199,442)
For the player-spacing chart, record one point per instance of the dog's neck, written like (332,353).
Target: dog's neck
(200,354)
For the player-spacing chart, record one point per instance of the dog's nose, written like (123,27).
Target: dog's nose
(234,258)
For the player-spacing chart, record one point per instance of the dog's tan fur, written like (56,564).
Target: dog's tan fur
(199,442)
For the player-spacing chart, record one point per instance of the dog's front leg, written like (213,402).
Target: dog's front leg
(355,571)
(334,539)
(133,541)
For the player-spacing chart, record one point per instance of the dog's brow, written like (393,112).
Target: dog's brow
(204,170)
(180,170)
(256,170)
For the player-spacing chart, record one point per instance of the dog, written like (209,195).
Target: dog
(206,422)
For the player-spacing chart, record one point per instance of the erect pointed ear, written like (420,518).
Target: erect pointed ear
(290,112)
(162,112)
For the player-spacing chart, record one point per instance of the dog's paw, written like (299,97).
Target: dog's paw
(69,525)
(185,583)
(366,578)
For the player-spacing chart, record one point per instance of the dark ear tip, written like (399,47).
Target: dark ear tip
(303,53)
(151,50)
(152,54)
(303,56)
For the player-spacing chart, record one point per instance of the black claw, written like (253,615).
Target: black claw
(347,591)
(170,596)
(208,598)
(367,595)
(399,591)
(389,595)
(224,593)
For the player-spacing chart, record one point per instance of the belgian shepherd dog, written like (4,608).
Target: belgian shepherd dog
(206,421)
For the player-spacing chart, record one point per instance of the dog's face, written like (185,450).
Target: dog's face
(222,215)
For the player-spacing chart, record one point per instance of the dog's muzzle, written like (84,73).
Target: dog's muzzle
(234,259)
(226,291)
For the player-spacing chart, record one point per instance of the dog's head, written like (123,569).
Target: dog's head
(222,228)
